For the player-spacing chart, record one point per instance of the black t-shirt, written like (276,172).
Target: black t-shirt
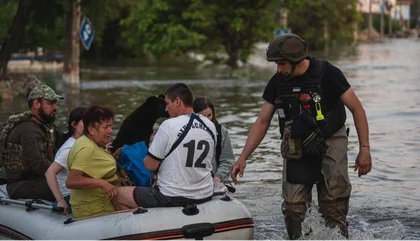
(333,83)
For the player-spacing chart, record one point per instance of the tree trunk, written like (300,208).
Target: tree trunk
(67,45)
(16,34)
(71,64)
(233,59)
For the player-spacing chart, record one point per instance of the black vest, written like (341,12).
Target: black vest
(288,104)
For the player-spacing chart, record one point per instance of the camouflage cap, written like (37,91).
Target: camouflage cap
(43,91)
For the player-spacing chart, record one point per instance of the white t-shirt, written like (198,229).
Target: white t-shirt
(186,172)
(61,157)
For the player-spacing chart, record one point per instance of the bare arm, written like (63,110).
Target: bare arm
(350,99)
(255,136)
(51,176)
(258,131)
(150,163)
(364,159)
(79,180)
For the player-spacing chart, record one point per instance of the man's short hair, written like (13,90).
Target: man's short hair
(96,114)
(181,91)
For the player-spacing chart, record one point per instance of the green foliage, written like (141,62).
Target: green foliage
(215,28)
(160,27)
(47,25)
(113,43)
(7,13)
(46,30)
(1,98)
(237,26)
(325,22)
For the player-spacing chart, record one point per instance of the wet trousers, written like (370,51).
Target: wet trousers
(333,192)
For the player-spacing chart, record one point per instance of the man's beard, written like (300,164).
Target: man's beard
(47,118)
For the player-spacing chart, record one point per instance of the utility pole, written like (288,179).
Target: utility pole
(390,22)
(370,21)
(72,52)
(382,8)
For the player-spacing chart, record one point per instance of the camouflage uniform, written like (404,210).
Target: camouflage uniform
(27,150)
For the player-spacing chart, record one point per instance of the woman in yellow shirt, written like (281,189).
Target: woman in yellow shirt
(92,178)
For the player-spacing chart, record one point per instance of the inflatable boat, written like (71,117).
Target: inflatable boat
(221,218)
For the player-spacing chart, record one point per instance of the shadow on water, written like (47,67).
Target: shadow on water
(383,205)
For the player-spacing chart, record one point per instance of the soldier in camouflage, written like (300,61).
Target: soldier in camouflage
(27,146)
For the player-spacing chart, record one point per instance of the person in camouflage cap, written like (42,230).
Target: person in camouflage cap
(309,96)
(48,99)
(43,91)
(27,146)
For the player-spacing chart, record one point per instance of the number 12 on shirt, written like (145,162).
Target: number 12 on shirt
(191,150)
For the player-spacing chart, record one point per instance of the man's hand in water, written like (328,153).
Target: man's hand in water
(238,167)
(363,161)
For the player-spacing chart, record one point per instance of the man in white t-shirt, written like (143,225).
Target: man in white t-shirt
(182,149)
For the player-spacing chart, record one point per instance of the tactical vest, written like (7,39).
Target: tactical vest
(11,155)
(288,104)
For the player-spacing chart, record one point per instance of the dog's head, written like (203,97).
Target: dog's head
(158,105)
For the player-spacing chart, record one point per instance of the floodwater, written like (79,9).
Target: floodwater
(385,204)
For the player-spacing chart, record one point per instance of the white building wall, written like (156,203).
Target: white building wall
(364,6)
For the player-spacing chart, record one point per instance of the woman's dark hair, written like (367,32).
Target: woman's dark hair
(201,103)
(96,114)
(75,116)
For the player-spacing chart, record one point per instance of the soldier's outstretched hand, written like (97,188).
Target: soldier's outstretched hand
(363,162)
(238,167)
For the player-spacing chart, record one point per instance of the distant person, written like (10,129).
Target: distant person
(224,159)
(183,149)
(92,178)
(27,146)
(309,96)
(57,173)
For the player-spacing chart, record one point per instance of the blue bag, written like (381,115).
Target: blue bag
(131,159)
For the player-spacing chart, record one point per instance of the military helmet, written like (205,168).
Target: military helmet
(286,47)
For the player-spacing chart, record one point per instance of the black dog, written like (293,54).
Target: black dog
(138,126)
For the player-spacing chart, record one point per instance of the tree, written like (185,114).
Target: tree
(237,26)
(7,12)
(175,27)
(46,30)
(72,47)
(331,22)
(160,27)
(16,34)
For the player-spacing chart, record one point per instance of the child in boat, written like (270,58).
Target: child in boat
(57,173)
